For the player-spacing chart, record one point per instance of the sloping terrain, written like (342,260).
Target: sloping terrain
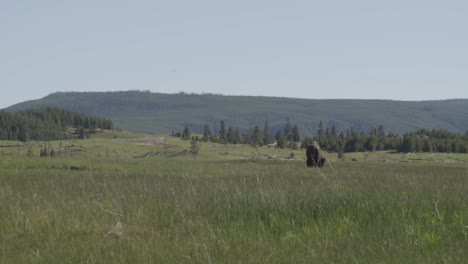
(140,111)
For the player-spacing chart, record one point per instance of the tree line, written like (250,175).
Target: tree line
(422,140)
(49,124)
(254,136)
(350,140)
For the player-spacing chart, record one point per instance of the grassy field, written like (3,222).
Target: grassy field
(123,198)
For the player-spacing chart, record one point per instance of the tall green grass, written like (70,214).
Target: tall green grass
(66,210)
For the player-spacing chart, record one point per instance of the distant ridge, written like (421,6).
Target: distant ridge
(146,112)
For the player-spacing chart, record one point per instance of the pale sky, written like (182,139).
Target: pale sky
(367,49)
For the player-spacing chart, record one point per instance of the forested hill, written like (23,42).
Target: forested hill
(49,124)
(141,111)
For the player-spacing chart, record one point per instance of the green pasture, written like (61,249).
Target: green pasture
(126,198)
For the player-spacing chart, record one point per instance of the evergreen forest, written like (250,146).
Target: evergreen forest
(55,124)
(49,124)
(350,140)
(147,112)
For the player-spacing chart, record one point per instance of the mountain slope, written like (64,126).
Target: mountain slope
(147,112)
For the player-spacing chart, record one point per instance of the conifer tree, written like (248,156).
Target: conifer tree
(207,134)
(230,137)
(267,137)
(295,134)
(186,134)
(256,138)
(280,140)
(287,131)
(222,132)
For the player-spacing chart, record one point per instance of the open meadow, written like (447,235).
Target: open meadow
(125,198)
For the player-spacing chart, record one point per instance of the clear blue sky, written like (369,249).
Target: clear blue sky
(403,50)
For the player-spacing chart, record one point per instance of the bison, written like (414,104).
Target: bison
(314,155)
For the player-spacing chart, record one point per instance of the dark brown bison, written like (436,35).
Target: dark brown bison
(314,155)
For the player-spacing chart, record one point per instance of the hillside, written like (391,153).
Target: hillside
(140,111)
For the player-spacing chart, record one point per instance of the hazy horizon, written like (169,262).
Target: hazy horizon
(399,50)
(241,95)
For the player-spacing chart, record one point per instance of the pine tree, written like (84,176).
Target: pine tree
(256,138)
(427,146)
(295,134)
(280,140)
(405,146)
(230,137)
(207,134)
(267,137)
(287,132)
(186,134)
(222,132)
(321,137)
(332,140)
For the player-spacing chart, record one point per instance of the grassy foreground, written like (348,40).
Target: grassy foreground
(206,210)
